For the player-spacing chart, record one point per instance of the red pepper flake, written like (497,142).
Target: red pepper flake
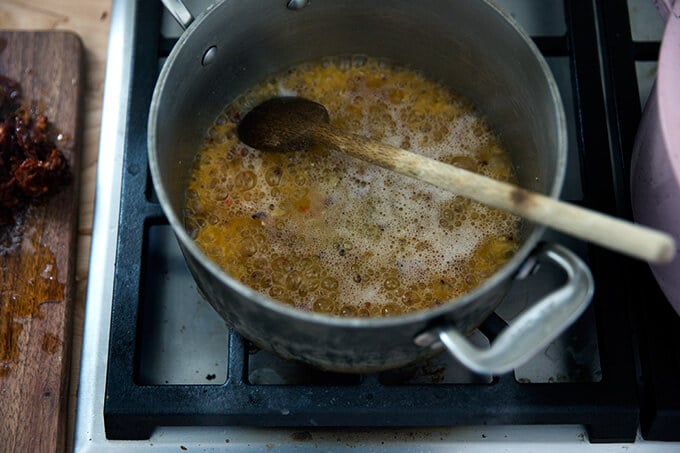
(303,208)
(227,201)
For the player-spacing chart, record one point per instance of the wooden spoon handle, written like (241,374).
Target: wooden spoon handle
(607,231)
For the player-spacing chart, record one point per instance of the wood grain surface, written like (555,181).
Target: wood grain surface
(37,255)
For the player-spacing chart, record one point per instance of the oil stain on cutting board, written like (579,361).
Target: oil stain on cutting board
(37,253)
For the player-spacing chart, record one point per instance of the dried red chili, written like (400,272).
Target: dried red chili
(31,166)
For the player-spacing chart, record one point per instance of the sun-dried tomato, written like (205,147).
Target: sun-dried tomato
(31,166)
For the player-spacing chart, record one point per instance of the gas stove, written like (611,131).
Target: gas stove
(161,371)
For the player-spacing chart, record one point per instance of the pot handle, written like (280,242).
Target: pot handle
(184,17)
(180,12)
(531,331)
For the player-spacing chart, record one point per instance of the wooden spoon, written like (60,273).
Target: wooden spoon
(293,124)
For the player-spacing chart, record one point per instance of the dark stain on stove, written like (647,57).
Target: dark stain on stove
(183,448)
(210,377)
(301,436)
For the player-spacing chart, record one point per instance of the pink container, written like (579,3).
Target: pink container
(655,167)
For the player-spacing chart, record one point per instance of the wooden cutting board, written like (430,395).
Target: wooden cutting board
(37,255)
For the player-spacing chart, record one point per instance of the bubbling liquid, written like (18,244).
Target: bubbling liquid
(326,232)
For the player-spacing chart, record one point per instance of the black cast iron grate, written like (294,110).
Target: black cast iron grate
(608,408)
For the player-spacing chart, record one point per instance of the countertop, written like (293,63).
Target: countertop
(90,20)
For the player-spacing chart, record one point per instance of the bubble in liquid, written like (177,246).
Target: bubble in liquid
(273,176)
(329,283)
(313,272)
(276,292)
(322,305)
(409,298)
(359,61)
(245,180)
(348,311)
(307,286)
(391,283)
(300,180)
(293,280)
(391,310)
(281,264)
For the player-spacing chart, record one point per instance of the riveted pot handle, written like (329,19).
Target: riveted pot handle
(180,12)
(532,330)
(184,17)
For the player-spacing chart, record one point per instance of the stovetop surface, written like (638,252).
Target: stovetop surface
(593,384)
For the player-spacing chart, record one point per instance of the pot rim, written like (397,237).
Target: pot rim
(505,272)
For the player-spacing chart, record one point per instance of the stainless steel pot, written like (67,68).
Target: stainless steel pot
(470,45)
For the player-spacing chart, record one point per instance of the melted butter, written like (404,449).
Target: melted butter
(323,231)
(28,280)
